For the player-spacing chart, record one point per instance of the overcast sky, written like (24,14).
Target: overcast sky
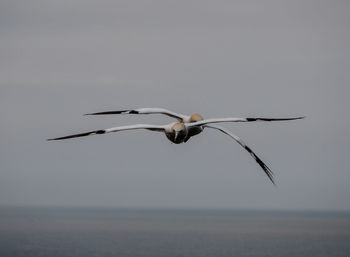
(61,59)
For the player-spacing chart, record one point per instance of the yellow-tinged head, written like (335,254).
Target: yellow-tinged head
(178,126)
(196,117)
(178,133)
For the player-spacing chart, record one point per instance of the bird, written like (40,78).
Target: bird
(180,131)
(192,130)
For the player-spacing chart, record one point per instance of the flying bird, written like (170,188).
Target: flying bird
(192,130)
(181,131)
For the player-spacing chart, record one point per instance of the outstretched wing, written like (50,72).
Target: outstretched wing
(266,169)
(115,129)
(221,120)
(180,117)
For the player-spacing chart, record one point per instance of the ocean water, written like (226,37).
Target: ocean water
(89,232)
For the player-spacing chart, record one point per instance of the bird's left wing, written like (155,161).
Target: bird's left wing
(115,129)
(266,169)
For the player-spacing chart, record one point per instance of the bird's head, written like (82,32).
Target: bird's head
(195,117)
(178,133)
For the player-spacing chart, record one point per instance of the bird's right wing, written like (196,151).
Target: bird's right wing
(115,129)
(266,169)
(178,116)
(221,120)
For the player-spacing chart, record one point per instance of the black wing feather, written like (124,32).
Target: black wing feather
(273,119)
(114,112)
(79,135)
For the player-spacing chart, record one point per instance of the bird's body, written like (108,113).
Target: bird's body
(182,130)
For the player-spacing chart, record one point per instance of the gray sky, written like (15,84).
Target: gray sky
(61,59)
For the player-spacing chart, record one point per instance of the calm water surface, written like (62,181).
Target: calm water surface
(152,233)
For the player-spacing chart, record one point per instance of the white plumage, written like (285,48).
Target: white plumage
(181,131)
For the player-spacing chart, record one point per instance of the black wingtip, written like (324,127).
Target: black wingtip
(297,118)
(101,131)
(266,169)
(96,113)
(275,119)
(54,139)
(112,112)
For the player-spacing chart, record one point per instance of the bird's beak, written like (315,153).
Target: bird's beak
(176,134)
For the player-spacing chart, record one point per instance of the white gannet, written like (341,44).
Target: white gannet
(180,132)
(192,130)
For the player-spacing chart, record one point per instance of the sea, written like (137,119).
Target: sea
(87,232)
